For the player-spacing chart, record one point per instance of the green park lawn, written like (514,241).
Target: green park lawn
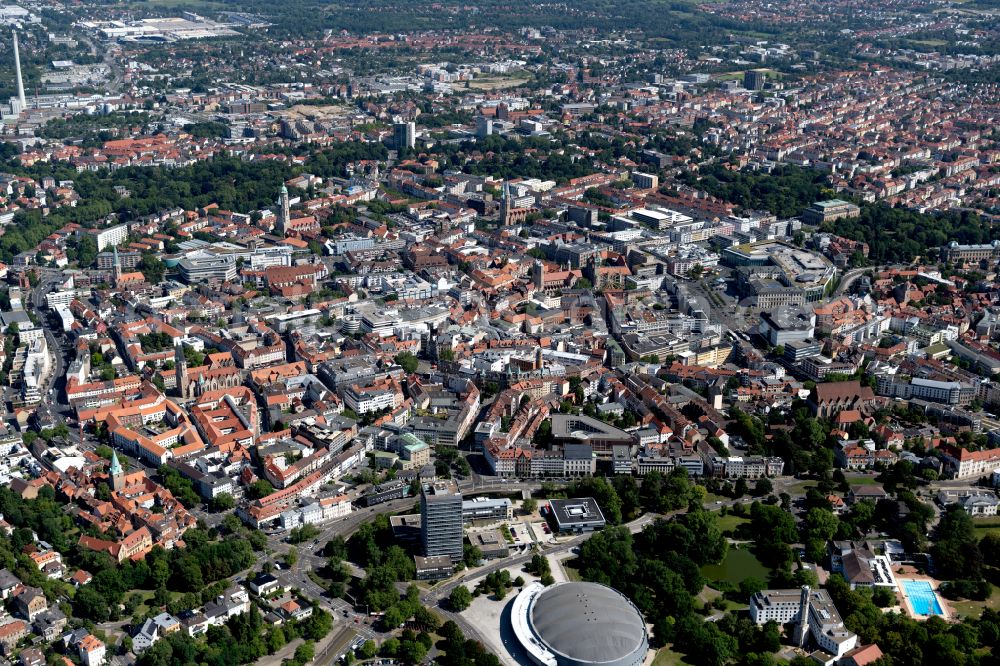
(862,481)
(973,609)
(731,522)
(572,568)
(667,657)
(969,607)
(984,526)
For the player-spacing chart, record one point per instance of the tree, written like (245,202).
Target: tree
(820,524)
(259,489)
(471,555)
(751,586)
(390,647)
(223,502)
(318,625)
(412,652)
(603,492)
(883,597)
(394,616)
(426,619)
(538,565)
(368,649)
(89,603)
(957,551)
(303,533)
(821,462)
(407,361)
(152,268)
(292,556)
(460,598)
(86,251)
(305,653)
(275,640)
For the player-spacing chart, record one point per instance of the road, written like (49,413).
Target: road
(847,280)
(52,404)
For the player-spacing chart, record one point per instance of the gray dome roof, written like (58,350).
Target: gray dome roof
(587,622)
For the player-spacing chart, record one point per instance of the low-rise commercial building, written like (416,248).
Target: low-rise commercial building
(576,515)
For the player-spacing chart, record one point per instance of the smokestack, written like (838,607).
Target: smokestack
(20,82)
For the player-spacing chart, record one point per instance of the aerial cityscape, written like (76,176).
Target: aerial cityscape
(524,333)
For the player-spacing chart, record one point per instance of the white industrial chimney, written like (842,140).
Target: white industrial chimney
(20,81)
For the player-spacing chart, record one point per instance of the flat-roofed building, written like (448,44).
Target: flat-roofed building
(441,520)
(821,618)
(830,210)
(578,429)
(434,567)
(490,543)
(487,508)
(200,266)
(581,514)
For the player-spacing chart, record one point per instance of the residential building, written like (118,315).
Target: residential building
(91,651)
(111,236)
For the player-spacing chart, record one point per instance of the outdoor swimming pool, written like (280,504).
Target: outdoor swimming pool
(922,597)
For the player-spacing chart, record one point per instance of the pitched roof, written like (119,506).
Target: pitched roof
(863,655)
(837,391)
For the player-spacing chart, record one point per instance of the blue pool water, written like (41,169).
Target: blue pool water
(922,597)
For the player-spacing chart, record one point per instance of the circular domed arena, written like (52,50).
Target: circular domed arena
(579,624)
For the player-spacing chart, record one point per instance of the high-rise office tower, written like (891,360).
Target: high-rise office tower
(441,520)
(754,79)
(405,135)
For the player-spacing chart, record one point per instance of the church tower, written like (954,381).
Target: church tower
(117,267)
(284,214)
(181,368)
(116,473)
(539,275)
(505,206)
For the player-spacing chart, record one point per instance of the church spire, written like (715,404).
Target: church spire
(116,473)
(117,270)
(181,370)
(505,205)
